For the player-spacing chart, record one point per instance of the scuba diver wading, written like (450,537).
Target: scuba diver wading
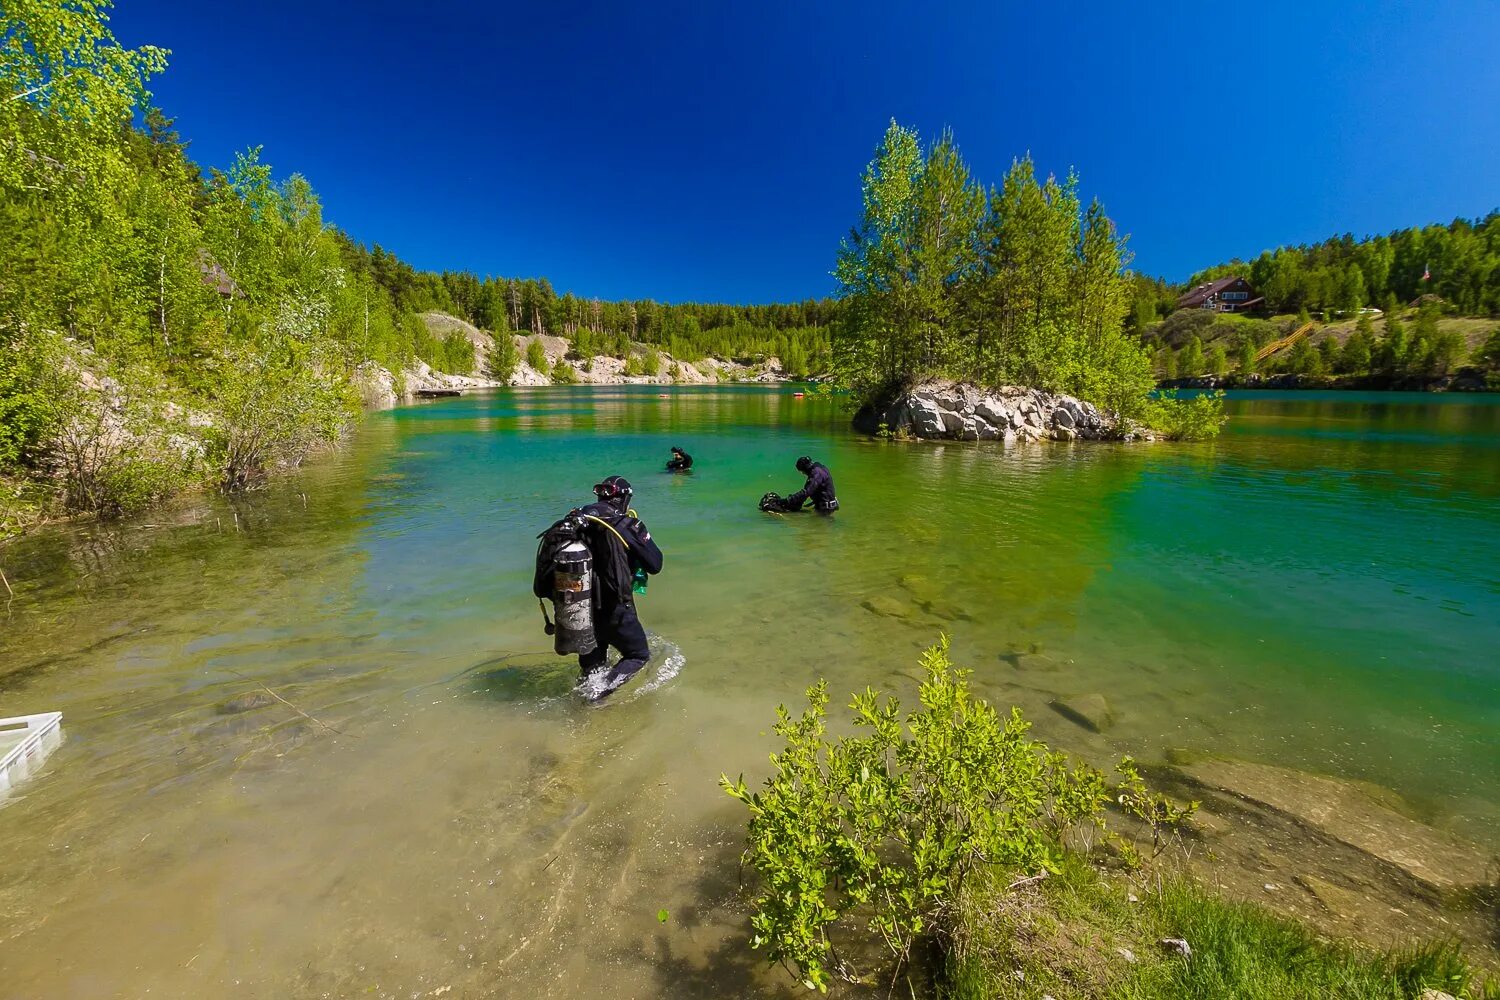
(591,564)
(680,461)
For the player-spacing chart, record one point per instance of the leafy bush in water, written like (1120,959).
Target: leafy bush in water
(891,822)
(277,401)
(1185,418)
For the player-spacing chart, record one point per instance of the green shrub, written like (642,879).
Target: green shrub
(1487,354)
(503,358)
(30,373)
(884,828)
(1185,418)
(563,373)
(276,402)
(536,356)
(651,363)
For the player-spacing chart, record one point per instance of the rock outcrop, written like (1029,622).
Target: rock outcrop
(1366,818)
(1011,414)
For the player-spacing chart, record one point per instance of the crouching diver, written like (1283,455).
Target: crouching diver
(680,461)
(592,563)
(818,489)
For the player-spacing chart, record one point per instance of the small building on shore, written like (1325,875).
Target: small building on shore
(1228,295)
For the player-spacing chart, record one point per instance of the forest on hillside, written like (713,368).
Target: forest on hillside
(1458,262)
(164,323)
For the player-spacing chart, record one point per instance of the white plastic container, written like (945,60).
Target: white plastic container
(25,741)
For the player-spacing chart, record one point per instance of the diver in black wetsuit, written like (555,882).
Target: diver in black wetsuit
(623,552)
(680,461)
(819,488)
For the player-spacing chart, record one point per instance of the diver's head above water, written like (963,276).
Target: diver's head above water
(616,492)
(804,464)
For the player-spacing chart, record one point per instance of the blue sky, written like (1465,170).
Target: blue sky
(712,151)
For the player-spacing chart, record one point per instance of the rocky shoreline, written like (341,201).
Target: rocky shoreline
(378,386)
(957,411)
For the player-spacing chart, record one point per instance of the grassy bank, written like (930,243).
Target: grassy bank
(1087,933)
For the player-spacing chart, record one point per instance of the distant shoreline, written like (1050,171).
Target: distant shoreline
(1463,382)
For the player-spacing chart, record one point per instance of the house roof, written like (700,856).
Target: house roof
(1202,292)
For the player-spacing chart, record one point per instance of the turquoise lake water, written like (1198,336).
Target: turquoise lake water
(1319,589)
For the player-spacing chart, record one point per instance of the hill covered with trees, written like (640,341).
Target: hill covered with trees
(1459,262)
(1414,308)
(163,323)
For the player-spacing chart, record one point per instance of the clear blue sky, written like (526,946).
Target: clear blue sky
(712,151)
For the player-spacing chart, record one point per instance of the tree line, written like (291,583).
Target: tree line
(162,322)
(688,331)
(1021,283)
(1459,262)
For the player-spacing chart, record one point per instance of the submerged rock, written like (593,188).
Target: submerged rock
(887,607)
(1361,816)
(1335,899)
(1090,711)
(246,702)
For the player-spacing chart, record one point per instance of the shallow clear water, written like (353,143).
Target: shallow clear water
(1318,588)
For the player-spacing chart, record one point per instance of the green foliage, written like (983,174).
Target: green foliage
(1218,361)
(504,358)
(633,366)
(30,373)
(1342,273)
(1060,938)
(563,373)
(1185,418)
(651,362)
(1190,361)
(1020,285)
(1487,354)
(536,356)
(1247,358)
(883,828)
(277,400)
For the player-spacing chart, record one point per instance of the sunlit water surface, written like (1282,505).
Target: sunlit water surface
(1320,588)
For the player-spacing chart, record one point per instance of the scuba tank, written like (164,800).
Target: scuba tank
(573,594)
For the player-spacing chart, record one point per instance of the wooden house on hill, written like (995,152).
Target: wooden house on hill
(1226,295)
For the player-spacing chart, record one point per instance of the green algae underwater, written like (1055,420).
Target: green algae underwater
(430,806)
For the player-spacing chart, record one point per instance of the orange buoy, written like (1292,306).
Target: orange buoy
(663,395)
(798,395)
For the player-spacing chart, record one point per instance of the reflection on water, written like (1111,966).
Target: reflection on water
(432,806)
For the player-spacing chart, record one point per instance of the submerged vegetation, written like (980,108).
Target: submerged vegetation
(1020,284)
(946,846)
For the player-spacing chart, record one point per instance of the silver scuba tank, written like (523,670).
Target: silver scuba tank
(573,599)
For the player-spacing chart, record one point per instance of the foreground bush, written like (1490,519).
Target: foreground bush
(885,829)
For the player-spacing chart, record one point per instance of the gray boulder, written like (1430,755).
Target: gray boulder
(1090,711)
